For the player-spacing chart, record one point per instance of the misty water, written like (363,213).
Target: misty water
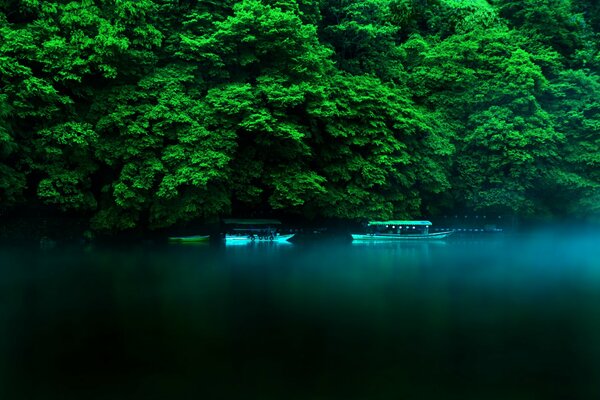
(480,317)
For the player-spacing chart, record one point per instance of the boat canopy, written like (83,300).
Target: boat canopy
(419,223)
(251,222)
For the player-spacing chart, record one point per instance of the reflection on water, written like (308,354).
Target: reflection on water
(483,318)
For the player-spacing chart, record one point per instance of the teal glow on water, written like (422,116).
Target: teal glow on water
(480,318)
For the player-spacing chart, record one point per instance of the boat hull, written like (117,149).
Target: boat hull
(189,239)
(391,236)
(264,239)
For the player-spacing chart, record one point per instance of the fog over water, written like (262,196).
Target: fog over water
(472,317)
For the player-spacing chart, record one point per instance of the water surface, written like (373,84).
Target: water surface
(486,317)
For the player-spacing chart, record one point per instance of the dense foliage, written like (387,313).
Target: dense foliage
(144,113)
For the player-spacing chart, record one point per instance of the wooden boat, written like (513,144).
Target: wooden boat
(189,239)
(399,230)
(258,238)
(254,230)
(437,235)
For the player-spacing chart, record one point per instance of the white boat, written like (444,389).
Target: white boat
(258,238)
(399,230)
(437,235)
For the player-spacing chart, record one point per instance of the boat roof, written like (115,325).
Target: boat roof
(251,222)
(421,223)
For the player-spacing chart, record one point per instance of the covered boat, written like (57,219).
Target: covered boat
(399,230)
(252,230)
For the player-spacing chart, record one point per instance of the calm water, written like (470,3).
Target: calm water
(480,318)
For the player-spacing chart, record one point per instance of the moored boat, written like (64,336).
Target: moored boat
(258,238)
(254,230)
(189,239)
(399,230)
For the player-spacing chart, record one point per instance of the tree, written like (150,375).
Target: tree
(53,58)
(379,152)
(551,23)
(364,36)
(489,86)
(575,103)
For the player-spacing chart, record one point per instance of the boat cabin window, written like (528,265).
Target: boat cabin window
(398,229)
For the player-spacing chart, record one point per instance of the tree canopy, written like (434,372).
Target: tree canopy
(147,113)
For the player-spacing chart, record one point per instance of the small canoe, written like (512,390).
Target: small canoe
(394,236)
(258,238)
(189,239)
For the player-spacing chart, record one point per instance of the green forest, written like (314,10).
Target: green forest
(149,113)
